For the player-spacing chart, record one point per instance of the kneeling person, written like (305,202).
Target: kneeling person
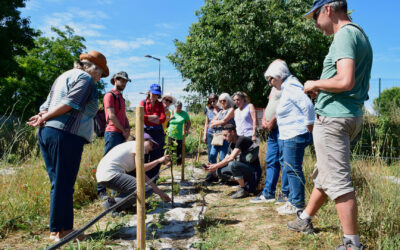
(120,160)
(241,163)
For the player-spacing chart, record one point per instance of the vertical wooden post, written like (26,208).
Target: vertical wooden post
(199,146)
(140,180)
(183,152)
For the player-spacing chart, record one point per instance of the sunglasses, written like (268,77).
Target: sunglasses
(316,14)
(269,79)
(168,100)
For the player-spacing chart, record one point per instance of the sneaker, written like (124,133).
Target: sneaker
(102,195)
(241,193)
(287,209)
(281,199)
(300,225)
(261,198)
(348,245)
(211,178)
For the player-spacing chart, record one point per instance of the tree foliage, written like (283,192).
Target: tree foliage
(389,101)
(39,68)
(233,42)
(15,35)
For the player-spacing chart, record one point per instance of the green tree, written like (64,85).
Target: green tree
(51,57)
(15,35)
(233,42)
(389,101)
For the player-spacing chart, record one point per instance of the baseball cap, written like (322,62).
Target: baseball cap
(155,89)
(316,5)
(121,74)
(148,137)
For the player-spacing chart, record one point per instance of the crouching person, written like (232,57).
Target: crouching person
(120,160)
(240,164)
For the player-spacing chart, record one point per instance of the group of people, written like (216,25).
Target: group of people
(66,124)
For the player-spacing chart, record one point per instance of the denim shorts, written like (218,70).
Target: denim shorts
(332,137)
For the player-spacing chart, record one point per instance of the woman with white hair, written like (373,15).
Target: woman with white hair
(295,117)
(66,124)
(224,116)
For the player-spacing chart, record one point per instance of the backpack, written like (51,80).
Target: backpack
(99,120)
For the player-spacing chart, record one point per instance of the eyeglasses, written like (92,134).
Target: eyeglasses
(269,79)
(316,14)
(222,101)
(168,100)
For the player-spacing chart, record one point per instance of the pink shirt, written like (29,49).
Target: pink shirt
(119,110)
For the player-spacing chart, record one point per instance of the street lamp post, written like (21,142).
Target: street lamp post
(159,65)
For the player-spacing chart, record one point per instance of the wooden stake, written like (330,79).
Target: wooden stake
(140,180)
(183,152)
(199,146)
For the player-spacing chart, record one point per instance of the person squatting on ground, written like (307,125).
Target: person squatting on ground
(167,100)
(245,116)
(241,164)
(112,172)
(154,116)
(273,166)
(175,129)
(66,124)
(117,125)
(295,117)
(341,93)
(211,111)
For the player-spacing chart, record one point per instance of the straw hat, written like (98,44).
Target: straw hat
(97,58)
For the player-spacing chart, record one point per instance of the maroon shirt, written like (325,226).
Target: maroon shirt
(156,109)
(119,109)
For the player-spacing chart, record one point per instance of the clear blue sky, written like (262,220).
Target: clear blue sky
(126,30)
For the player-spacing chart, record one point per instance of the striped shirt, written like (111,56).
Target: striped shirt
(295,110)
(76,89)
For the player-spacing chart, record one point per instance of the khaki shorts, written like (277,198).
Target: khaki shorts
(332,137)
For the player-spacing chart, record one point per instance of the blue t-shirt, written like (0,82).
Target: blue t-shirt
(210,115)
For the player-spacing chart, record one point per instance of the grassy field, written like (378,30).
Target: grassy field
(24,206)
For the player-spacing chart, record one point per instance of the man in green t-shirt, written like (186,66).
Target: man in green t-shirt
(175,128)
(340,93)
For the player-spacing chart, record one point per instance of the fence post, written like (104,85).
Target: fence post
(199,146)
(140,180)
(379,100)
(183,152)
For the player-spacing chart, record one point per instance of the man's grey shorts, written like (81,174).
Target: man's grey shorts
(332,137)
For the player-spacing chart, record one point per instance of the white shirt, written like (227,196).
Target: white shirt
(295,110)
(119,159)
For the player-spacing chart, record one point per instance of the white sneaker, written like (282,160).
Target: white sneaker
(287,209)
(281,199)
(261,198)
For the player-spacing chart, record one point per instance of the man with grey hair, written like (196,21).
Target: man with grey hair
(340,93)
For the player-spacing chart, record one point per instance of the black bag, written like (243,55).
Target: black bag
(99,120)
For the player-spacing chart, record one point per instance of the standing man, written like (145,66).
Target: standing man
(341,92)
(117,129)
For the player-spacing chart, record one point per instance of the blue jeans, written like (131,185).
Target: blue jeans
(62,152)
(292,162)
(112,139)
(209,139)
(222,150)
(273,167)
(158,135)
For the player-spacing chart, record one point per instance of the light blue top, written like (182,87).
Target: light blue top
(76,89)
(295,110)
(243,121)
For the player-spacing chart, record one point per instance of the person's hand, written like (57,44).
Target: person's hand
(310,89)
(36,121)
(212,124)
(154,119)
(126,133)
(211,167)
(264,124)
(165,159)
(165,197)
(310,128)
(254,138)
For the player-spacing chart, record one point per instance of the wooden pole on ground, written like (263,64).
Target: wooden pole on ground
(199,146)
(183,152)
(140,180)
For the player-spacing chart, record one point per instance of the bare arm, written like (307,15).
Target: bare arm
(113,117)
(225,161)
(40,119)
(224,121)
(158,191)
(343,81)
(254,118)
(205,130)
